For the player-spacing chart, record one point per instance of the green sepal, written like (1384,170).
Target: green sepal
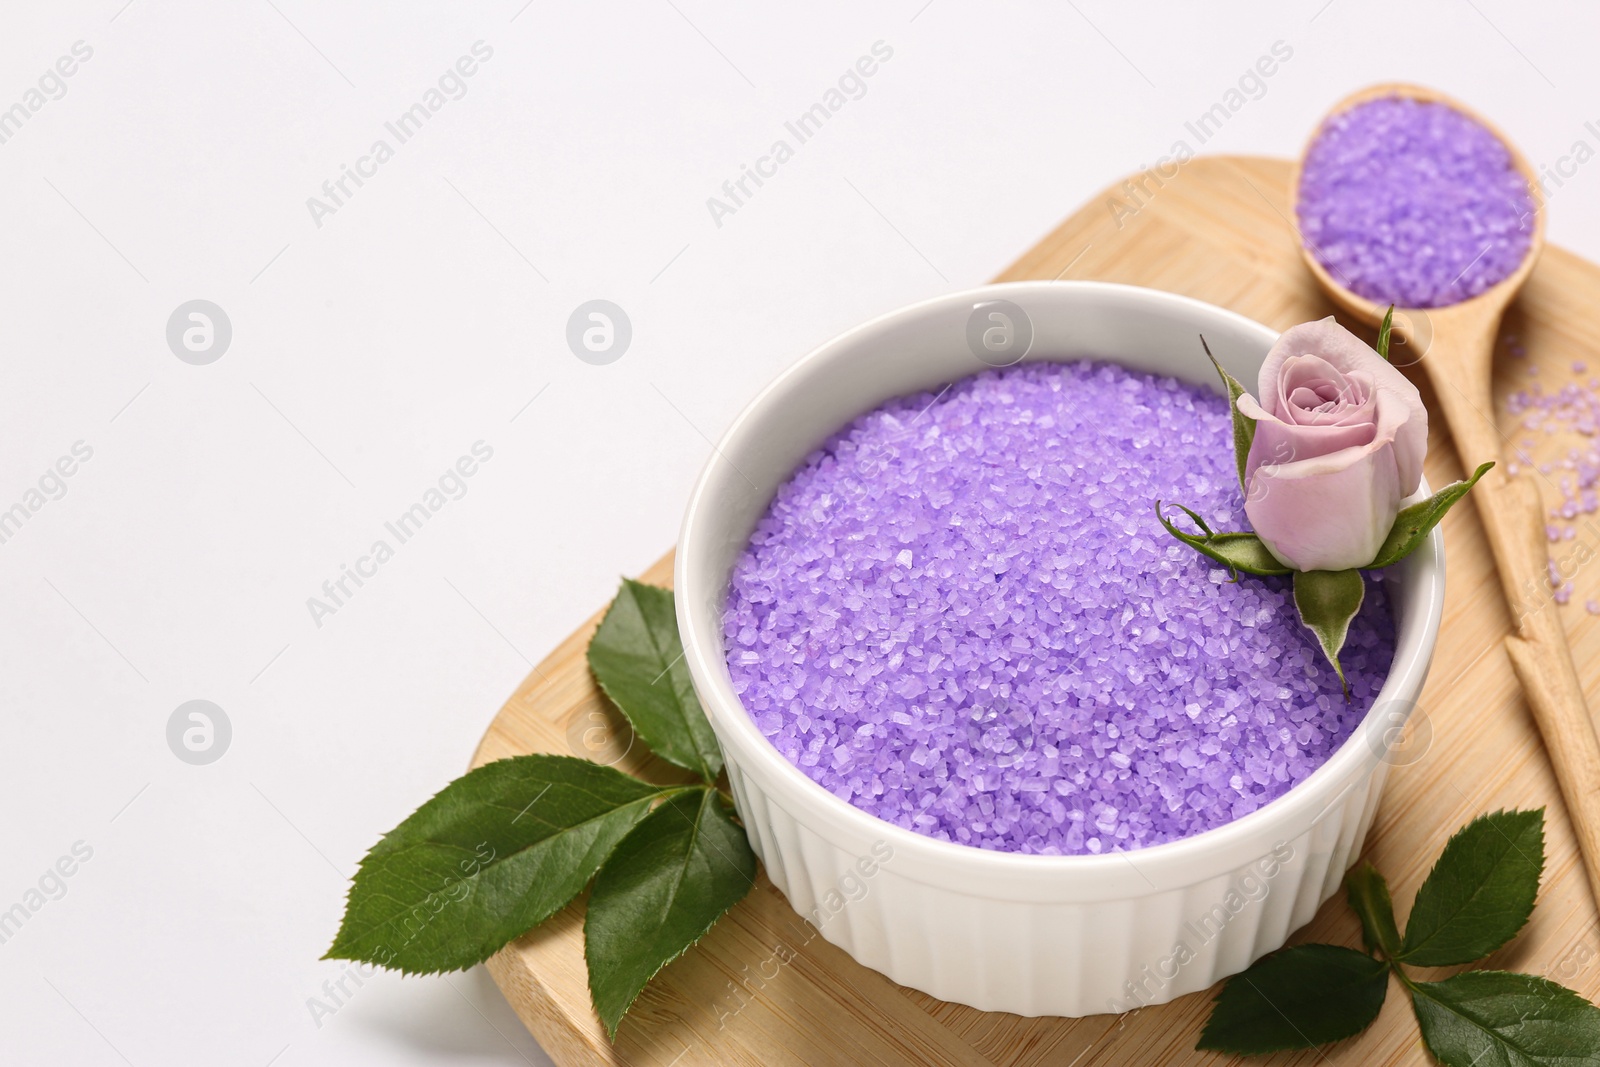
(1383,333)
(1236,551)
(1244,429)
(1413,524)
(1327,601)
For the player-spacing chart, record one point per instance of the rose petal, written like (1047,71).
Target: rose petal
(1400,415)
(1366,487)
(1310,373)
(1320,399)
(1279,442)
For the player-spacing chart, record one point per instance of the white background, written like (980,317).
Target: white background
(371,351)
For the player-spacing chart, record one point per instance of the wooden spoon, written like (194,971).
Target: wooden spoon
(1455,345)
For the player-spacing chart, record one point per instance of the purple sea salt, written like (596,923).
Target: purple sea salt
(961,615)
(1568,419)
(1413,204)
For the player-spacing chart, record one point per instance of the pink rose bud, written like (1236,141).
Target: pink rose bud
(1340,438)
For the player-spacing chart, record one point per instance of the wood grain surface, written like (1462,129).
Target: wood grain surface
(755,991)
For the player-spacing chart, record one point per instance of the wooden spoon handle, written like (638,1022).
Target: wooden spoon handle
(1514,519)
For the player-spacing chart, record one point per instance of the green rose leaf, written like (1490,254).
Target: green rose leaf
(1236,551)
(1413,524)
(493,854)
(1368,892)
(1298,998)
(1327,601)
(661,890)
(1497,1019)
(638,660)
(1244,429)
(1479,893)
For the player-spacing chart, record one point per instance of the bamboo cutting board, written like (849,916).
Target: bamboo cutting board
(754,993)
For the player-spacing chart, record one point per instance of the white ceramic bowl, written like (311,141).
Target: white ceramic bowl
(1034,935)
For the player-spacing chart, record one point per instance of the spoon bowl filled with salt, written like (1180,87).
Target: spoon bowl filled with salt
(1409,203)
(1408,198)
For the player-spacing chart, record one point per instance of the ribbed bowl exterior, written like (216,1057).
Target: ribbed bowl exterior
(1044,958)
(1033,935)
